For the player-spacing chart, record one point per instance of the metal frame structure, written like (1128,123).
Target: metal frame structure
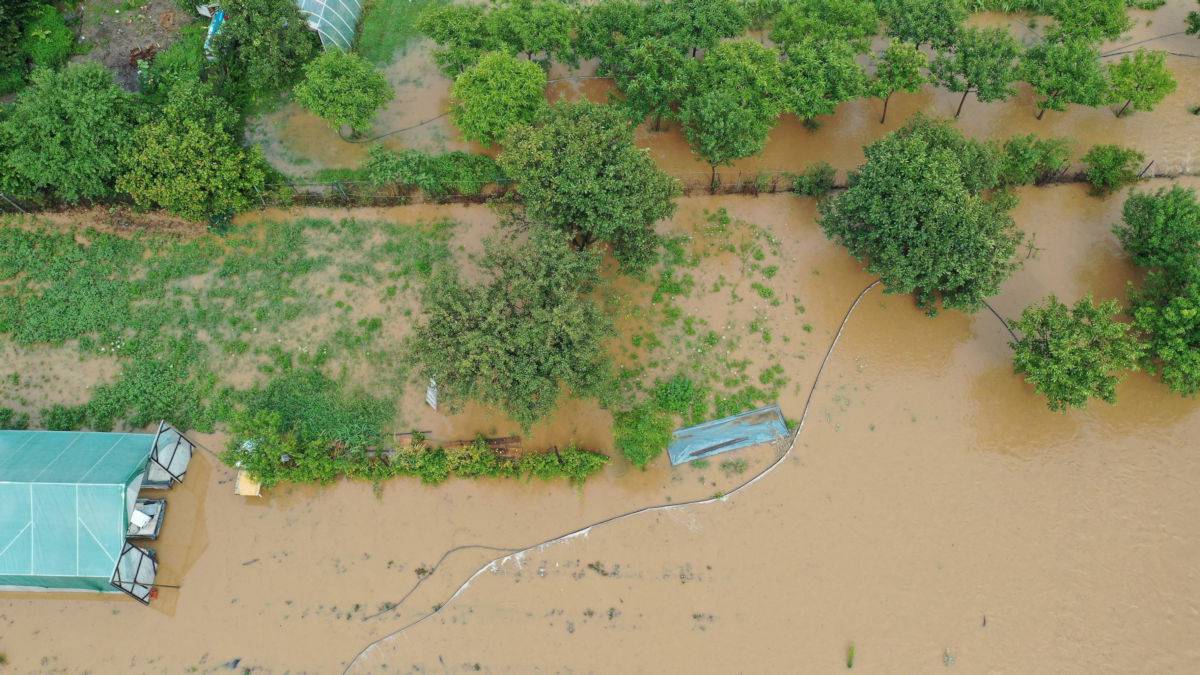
(136,585)
(157,455)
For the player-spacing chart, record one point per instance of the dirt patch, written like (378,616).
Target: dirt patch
(114,30)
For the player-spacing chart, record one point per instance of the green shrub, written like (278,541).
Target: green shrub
(343,89)
(681,396)
(460,173)
(1111,167)
(577,464)
(641,433)
(1029,159)
(11,419)
(47,39)
(816,181)
(64,417)
(182,61)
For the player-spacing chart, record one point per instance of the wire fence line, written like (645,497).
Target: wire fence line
(359,192)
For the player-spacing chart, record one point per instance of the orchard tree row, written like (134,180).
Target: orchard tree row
(687,60)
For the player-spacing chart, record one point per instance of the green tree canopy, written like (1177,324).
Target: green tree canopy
(1029,159)
(818,77)
(1063,72)
(64,133)
(1091,20)
(1072,354)
(921,213)
(654,76)
(515,340)
(853,21)
(736,97)
(1161,231)
(533,27)
(499,91)
(48,40)
(1141,80)
(932,22)
(696,24)
(982,60)
(463,33)
(1166,312)
(609,26)
(343,89)
(262,47)
(578,170)
(897,68)
(186,160)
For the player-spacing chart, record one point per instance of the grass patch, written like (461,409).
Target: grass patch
(388,25)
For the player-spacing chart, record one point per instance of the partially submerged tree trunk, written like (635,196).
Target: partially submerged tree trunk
(1041,113)
(961,101)
(1121,112)
(885,102)
(712,181)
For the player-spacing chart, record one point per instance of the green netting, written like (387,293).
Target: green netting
(64,505)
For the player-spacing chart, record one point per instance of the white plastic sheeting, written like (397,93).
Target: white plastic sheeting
(334,20)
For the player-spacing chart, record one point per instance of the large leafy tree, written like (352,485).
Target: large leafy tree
(980,60)
(187,159)
(736,97)
(610,26)
(262,47)
(533,27)
(1064,71)
(818,76)
(1071,354)
(518,338)
(577,169)
(65,132)
(897,68)
(462,32)
(1091,20)
(496,93)
(344,89)
(922,213)
(931,22)
(654,76)
(1141,80)
(696,24)
(853,21)
(1166,312)
(1161,230)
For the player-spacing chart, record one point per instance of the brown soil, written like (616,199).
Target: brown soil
(112,30)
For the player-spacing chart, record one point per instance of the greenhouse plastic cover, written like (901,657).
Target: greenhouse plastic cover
(334,20)
(63,505)
(728,433)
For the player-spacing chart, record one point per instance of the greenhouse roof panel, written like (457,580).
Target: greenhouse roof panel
(72,457)
(334,20)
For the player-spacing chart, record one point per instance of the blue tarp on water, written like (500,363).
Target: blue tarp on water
(728,433)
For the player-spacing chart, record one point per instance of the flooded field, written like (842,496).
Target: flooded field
(932,512)
(299,143)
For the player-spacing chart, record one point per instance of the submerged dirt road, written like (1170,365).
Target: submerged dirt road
(933,512)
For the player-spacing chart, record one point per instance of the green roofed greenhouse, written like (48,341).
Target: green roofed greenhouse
(66,501)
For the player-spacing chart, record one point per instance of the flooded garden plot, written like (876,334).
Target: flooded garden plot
(931,509)
(909,406)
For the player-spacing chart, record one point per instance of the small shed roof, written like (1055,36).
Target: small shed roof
(64,505)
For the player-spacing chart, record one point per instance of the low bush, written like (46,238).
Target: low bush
(442,175)
(641,433)
(816,181)
(48,40)
(11,419)
(182,61)
(1111,167)
(1029,159)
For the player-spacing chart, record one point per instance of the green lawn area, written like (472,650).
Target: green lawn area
(387,26)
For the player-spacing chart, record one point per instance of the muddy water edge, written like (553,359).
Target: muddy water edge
(932,512)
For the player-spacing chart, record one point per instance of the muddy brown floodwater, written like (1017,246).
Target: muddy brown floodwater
(932,512)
